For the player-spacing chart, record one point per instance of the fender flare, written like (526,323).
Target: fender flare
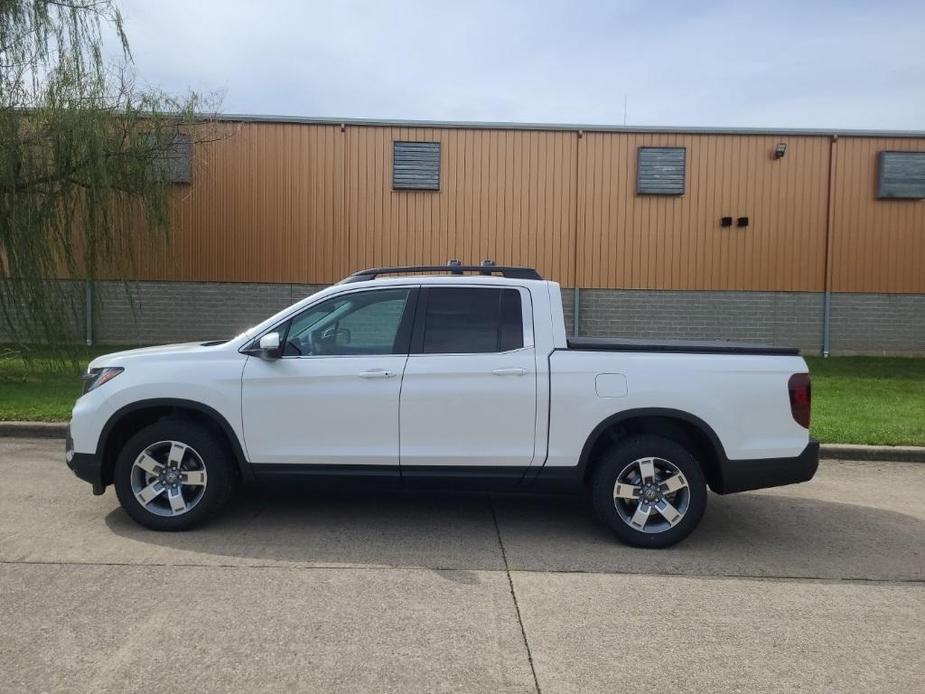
(210,412)
(640,412)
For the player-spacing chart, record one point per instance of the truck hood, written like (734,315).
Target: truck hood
(114,358)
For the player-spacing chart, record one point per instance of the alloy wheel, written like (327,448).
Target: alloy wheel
(651,495)
(168,478)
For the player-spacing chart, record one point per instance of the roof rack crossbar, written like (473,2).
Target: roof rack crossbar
(520,273)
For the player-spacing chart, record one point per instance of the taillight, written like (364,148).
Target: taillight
(800,398)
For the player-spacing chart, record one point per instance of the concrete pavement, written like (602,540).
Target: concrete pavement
(819,587)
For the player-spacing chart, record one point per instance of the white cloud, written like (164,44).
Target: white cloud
(835,64)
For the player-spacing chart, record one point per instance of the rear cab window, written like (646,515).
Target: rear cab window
(469,320)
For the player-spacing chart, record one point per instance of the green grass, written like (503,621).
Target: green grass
(44,386)
(874,400)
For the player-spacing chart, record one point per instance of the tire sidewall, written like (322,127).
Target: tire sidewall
(615,460)
(215,458)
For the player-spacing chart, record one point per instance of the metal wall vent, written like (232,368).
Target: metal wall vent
(901,175)
(416,165)
(660,170)
(175,164)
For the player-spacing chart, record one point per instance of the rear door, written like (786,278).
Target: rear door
(468,399)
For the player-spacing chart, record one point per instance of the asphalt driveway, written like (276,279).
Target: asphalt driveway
(817,587)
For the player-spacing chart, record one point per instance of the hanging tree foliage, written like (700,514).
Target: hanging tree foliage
(85,159)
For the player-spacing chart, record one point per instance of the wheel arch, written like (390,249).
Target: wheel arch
(128,420)
(683,427)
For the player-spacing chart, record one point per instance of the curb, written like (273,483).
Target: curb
(33,430)
(827,451)
(847,451)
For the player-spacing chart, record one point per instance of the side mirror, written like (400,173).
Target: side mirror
(269,345)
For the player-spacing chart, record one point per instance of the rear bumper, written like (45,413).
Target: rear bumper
(743,475)
(87,466)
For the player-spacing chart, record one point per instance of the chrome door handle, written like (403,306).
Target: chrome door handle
(513,371)
(376,373)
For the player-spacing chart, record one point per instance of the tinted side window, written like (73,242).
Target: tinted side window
(471,320)
(359,323)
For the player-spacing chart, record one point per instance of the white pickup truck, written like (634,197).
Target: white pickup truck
(435,376)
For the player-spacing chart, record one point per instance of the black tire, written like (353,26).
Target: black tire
(618,460)
(216,459)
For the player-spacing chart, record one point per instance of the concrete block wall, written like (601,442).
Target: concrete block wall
(141,313)
(872,324)
(69,316)
(877,324)
(145,313)
(780,318)
(880,324)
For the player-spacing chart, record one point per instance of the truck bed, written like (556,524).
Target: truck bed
(614,344)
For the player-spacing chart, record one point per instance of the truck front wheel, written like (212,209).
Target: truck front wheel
(173,474)
(649,490)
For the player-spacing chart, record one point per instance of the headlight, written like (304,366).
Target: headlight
(94,378)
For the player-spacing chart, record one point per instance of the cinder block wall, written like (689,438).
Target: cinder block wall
(892,324)
(877,324)
(873,324)
(159,312)
(782,318)
(70,299)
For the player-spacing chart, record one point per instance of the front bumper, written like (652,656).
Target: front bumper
(87,466)
(743,475)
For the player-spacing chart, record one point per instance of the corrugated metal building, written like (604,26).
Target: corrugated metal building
(677,232)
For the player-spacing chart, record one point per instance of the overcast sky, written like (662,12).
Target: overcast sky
(783,64)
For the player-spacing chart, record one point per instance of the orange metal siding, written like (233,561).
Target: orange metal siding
(666,242)
(505,195)
(287,202)
(266,205)
(878,245)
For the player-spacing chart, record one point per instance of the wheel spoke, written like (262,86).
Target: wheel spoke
(641,516)
(669,512)
(646,468)
(177,502)
(194,477)
(149,493)
(176,454)
(673,484)
(625,491)
(149,464)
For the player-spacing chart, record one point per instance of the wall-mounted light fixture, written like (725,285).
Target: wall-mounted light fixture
(780,150)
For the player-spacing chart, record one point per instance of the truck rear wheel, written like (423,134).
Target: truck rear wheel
(649,490)
(173,475)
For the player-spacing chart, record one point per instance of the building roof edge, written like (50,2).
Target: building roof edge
(567,127)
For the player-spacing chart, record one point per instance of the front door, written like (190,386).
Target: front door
(468,395)
(332,398)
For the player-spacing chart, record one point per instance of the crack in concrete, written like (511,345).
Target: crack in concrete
(510,582)
(388,567)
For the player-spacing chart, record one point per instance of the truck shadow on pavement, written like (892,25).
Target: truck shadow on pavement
(753,534)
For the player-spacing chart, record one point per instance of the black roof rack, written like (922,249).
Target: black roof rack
(454,267)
